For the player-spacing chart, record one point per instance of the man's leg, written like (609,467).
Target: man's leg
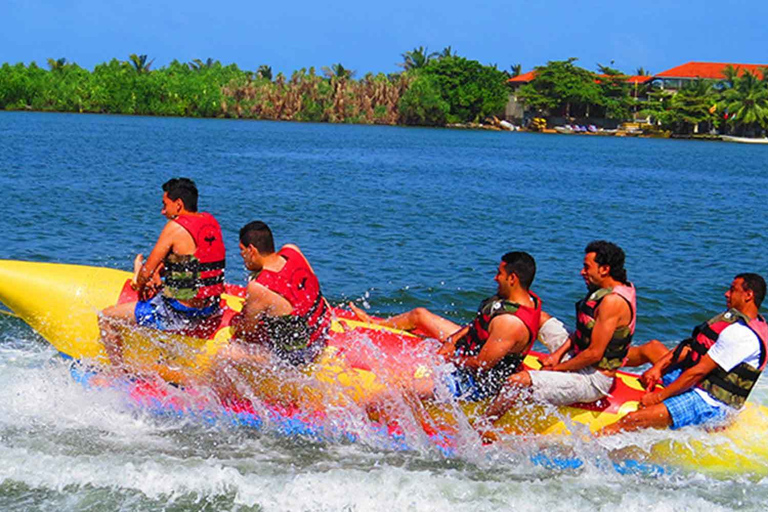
(110,320)
(648,353)
(422,319)
(655,416)
(508,396)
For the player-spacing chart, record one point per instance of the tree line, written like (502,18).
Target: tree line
(433,89)
(736,104)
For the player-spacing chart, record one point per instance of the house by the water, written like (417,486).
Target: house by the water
(670,80)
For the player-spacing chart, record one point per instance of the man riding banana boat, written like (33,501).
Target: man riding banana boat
(709,376)
(493,346)
(284,312)
(190,256)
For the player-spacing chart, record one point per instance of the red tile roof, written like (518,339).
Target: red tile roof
(529,76)
(711,70)
(639,79)
(524,78)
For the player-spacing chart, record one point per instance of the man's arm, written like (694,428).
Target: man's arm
(449,345)
(653,375)
(607,317)
(683,383)
(163,246)
(507,335)
(259,300)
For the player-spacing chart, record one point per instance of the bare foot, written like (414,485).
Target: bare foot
(360,314)
(138,261)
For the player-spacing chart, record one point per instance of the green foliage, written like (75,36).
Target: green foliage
(471,90)
(420,57)
(691,106)
(118,87)
(746,101)
(560,87)
(422,103)
(614,98)
(446,88)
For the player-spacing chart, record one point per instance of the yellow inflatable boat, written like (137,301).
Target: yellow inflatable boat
(61,302)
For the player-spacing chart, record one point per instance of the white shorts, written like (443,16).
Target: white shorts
(565,388)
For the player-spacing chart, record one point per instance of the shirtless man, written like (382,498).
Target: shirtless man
(710,375)
(284,309)
(492,347)
(605,324)
(189,255)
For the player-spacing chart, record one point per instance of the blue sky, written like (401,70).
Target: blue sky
(370,36)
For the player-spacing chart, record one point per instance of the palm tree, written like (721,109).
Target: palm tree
(417,58)
(265,72)
(447,52)
(747,102)
(517,69)
(197,64)
(641,71)
(338,71)
(692,105)
(57,65)
(140,63)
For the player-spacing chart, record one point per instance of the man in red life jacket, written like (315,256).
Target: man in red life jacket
(605,323)
(284,309)
(493,346)
(190,256)
(708,376)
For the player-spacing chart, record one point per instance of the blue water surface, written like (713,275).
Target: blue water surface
(411,216)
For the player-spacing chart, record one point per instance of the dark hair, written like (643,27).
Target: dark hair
(522,265)
(184,189)
(259,235)
(609,254)
(754,283)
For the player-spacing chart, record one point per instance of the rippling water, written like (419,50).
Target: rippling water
(397,217)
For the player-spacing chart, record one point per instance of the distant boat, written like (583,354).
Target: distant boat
(744,140)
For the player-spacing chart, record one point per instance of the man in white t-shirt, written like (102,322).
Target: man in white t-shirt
(708,376)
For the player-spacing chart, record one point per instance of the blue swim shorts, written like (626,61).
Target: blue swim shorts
(689,408)
(463,385)
(166,314)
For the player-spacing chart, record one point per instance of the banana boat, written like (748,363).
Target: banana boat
(61,302)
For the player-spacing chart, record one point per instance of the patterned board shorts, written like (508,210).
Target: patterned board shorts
(166,314)
(689,408)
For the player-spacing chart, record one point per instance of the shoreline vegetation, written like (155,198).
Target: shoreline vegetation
(433,89)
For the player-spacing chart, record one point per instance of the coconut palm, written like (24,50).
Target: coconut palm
(517,70)
(58,64)
(746,102)
(692,106)
(197,64)
(265,72)
(447,52)
(338,71)
(140,63)
(417,58)
(641,71)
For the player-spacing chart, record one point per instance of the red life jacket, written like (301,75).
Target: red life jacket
(471,344)
(297,284)
(733,387)
(617,349)
(201,275)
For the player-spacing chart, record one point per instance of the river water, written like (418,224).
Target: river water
(392,218)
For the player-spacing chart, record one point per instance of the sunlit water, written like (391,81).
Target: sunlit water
(392,217)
